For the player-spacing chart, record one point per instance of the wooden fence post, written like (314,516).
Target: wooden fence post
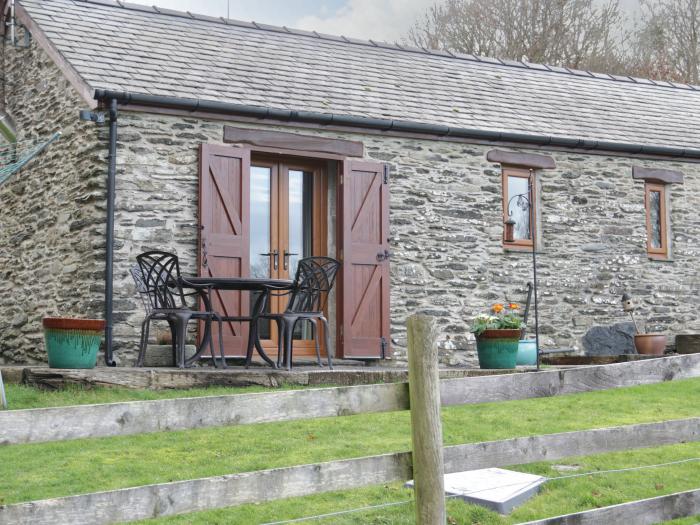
(426,428)
(3,398)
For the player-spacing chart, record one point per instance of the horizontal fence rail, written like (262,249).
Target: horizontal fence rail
(164,499)
(136,417)
(571,381)
(641,512)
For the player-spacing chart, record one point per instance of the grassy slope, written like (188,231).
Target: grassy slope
(21,396)
(101,464)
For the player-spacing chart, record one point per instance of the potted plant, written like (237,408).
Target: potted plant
(72,343)
(645,343)
(497,336)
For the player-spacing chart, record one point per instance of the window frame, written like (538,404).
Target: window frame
(663,251)
(507,171)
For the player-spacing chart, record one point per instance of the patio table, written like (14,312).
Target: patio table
(250,284)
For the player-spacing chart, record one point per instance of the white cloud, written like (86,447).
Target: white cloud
(377,19)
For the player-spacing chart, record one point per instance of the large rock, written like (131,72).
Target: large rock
(610,340)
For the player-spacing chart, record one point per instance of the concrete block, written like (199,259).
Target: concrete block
(494,488)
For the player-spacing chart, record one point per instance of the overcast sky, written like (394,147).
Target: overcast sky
(379,19)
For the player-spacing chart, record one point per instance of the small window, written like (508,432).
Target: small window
(516,204)
(657,226)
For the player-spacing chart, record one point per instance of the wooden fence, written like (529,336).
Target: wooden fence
(164,499)
(115,419)
(25,426)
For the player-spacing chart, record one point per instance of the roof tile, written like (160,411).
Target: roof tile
(171,53)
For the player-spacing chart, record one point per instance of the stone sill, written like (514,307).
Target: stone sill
(661,259)
(521,249)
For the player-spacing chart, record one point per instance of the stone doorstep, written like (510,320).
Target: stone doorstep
(200,377)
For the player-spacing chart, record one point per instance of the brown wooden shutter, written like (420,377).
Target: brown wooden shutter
(224,240)
(364,307)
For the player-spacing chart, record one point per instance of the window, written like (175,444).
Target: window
(516,204)
(657,224)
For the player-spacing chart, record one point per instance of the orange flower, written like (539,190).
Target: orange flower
(497,308)
(513,306)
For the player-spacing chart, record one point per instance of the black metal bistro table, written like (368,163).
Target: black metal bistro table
(247,284)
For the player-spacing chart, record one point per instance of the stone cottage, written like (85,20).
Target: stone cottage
(242,147)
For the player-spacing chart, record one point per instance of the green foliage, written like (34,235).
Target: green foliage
(503,317)
(22,396)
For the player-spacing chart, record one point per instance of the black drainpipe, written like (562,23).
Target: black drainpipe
(109,255)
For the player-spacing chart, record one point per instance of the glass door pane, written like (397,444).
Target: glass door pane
(300,218)
(655,218)
(260,236)
(300,227)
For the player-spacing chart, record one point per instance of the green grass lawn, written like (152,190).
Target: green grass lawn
(556,497)
(43,470)
(21,396)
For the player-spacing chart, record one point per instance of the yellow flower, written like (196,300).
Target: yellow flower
(513,306)
(497,308)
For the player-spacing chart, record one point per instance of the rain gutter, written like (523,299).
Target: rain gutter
(402,126)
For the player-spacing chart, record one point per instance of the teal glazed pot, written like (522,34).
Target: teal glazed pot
(72,343)
(498,348)
(527,352)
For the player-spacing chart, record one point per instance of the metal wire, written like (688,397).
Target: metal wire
(340,512)
(397,503)
(18,161)
(628,469)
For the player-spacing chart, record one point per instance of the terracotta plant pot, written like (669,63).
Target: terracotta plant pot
(72,343)
(498,348)
(650,344)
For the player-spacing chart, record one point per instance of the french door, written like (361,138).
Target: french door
(260,215)
(287,223)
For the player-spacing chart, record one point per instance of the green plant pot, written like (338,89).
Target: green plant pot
(72,343)
(498,348)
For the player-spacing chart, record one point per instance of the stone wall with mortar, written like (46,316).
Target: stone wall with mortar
(446,227)
(51,212)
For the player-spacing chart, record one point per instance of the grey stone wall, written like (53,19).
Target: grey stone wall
(51,212)
(446,229)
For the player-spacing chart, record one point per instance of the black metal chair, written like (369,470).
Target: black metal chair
(159,285)
(142,290)
(313,283)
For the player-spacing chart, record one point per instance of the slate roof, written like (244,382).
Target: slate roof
(146,50)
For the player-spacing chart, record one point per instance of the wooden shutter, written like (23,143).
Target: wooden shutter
(224,239)
(364,305)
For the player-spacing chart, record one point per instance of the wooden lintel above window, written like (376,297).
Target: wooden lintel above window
(521,160)
(657,175)
(292,141)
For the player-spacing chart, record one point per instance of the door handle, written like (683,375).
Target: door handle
(275,258)
(286,259)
